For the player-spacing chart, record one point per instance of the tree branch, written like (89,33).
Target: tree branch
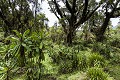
(73,6)
(68,6)
(58,9)
(85,8)
(90,14)
(54,12)
(117,8)
(115,15)
(83,19)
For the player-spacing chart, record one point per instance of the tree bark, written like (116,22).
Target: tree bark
(69,38)
(100,35)
(22,57)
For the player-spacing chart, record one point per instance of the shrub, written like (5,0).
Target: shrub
(95,73)
(115,59)
(65,58)
(65,67)
(82,61)
(96,60)
(103,49)
(68,63)
(115,42)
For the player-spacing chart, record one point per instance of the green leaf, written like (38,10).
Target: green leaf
(16,50)
(29,42)
(37,49)
(17,33)
(23,44)
(12,39)
(41,45)
(3,70)
(41,34)
(27,47)
(26,33)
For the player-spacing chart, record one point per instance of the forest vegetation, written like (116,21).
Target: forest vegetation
(83,45)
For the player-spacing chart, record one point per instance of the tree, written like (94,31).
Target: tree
(72,14)
(110,9)
(16,15)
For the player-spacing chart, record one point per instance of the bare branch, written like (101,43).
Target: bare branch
(54,12)
(58,9)
(68,6)
(90,14)
(115,15)
(85,8)
(83,19)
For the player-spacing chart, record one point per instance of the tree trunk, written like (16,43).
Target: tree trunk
(100,35)
(22,57)
(69,38)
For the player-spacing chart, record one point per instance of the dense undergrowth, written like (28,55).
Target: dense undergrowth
(47,60)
